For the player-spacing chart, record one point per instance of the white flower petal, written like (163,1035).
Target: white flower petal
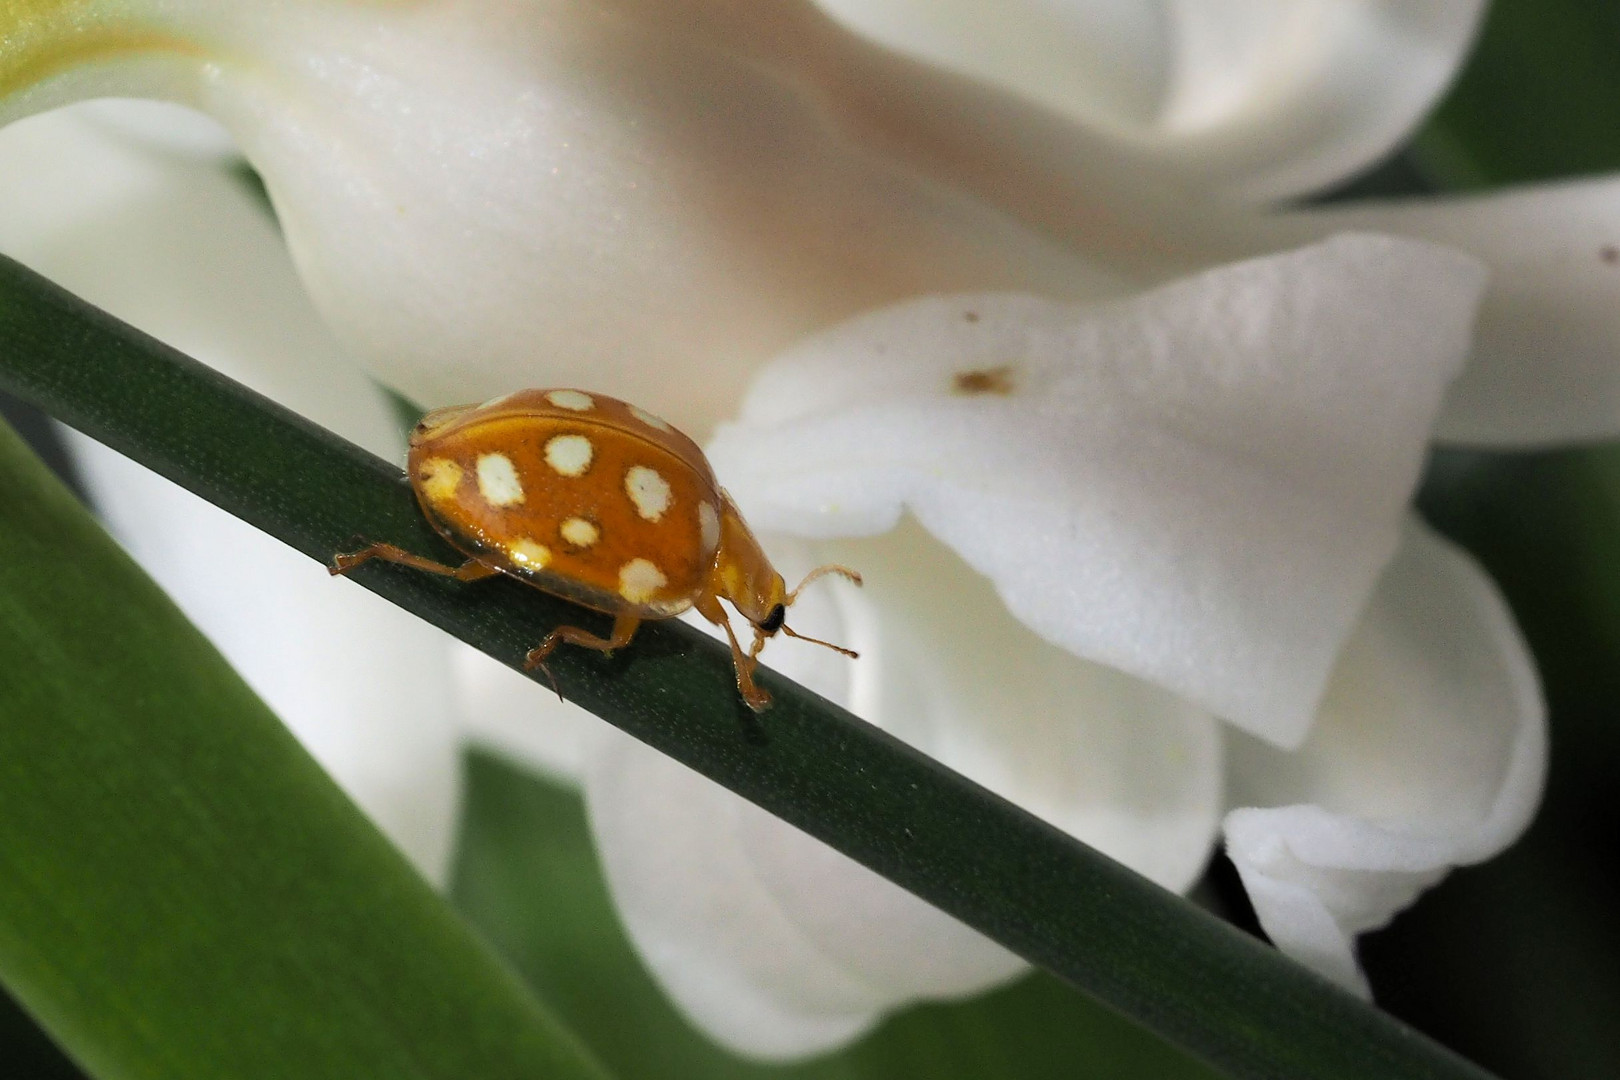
(487,195)
(1259,99)
(1199,486)
(1105,64)
(176,129)
(1275,98)
(1430,754)
(1545,366)
(706,927)
(780,946)
(1125,766)
(182,251)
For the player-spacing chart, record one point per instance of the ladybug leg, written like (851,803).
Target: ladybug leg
(624,628)
(757,699)
(471,570)
(745,662)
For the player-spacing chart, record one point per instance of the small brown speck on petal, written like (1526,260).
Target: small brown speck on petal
(997,380)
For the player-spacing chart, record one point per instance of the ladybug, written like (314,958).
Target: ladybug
(599,502)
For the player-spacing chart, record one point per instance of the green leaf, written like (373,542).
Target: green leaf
(183,891)
(528,877)
(1151,955)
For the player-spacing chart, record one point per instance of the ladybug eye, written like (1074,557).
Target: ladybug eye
(773,622)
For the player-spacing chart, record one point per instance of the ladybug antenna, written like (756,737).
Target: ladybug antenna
(820,571)
(790,632)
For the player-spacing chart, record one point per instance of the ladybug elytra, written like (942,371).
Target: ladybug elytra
(596,501)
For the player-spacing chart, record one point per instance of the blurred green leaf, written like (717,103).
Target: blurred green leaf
(528,877)
(183,891)
(1536,100)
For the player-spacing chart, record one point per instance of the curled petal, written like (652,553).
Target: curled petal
(1545,367)
(1276,98)
(713,935)
(1430,754)
(183,251)
(780,946)
(1258,99)
(1198,486)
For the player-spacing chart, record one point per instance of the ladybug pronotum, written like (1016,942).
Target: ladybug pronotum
(601,503)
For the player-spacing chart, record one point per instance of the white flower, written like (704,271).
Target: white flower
(1127,483)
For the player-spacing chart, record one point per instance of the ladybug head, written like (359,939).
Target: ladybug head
(775,619)
(771,623)
(752,584)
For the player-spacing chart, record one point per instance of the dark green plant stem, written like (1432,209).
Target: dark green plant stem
(1181,972)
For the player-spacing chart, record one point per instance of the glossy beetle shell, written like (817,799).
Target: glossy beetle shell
(597,501)
(577,493)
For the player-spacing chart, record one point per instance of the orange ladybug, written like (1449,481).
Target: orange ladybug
(601,503)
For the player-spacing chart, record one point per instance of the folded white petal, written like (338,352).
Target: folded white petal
(708,929)
(1430,754)
(1545,367)
(1258,99)
(1199,486)
(779,946)
(1275,98)
(180,249)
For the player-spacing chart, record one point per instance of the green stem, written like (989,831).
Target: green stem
(1150,954)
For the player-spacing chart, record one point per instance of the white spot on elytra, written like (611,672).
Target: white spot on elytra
(708,527)
(639,580)
(439,478)
(573,400)
(526,552)
(649,419)
(648,490)
(497,401)
(570,455)
(498,480)
(579,532)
